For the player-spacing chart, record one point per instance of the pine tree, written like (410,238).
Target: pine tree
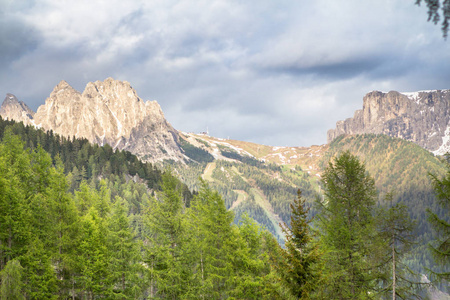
(299,267)
(40,277)
(441,246)
(347,228)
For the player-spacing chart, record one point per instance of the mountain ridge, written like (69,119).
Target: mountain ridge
(111,112)
(421,117)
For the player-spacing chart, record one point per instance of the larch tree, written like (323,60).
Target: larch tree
(347,228)
(125,269)
(440,248)
(11,281)
(212,244)
(397,230)
(165,224)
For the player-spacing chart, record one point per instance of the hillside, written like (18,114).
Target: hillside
(421,117)
(262,180)
(258,180)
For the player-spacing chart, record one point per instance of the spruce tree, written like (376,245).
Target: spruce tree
(299,267)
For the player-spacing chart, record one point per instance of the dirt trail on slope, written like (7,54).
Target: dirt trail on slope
(207,173)
(242,197)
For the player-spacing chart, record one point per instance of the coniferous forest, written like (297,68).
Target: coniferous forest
(82,221)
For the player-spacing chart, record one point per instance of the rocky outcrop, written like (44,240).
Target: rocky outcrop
(110,112)
(420,117)
(13,109)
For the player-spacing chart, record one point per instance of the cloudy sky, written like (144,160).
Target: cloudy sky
(271,72)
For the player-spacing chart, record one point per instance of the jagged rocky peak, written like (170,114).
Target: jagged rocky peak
(421,117)
(13,109)
(110,112)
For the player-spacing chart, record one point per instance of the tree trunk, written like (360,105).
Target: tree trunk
(393,268)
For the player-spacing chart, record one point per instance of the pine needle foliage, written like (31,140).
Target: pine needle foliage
(300,258)
(440,248)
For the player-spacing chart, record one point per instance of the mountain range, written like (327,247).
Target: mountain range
(397,135)
(111,112)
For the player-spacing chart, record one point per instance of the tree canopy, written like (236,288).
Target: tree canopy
(438,11)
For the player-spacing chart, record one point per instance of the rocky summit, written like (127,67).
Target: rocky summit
(421,117)
(110,112)
(13,109)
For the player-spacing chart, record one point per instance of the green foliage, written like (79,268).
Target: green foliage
(125,258)
(400,166)
(195,153)
(397,233)
(253,210)
(299,267)
(441,245)
(84,160)
(435,16)
(347,228)
(11,281)
(168,272)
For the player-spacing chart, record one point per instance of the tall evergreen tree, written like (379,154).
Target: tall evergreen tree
(15,193)
(168,273)
(396,229)
(214,243)
(441,246)
(347,228)
(125,257)
(299,267)
(93,256)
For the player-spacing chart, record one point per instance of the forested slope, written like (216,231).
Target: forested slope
(401,168)
(105,233)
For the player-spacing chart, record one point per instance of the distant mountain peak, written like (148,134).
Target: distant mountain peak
(422,117)
(13,109)
(108,111)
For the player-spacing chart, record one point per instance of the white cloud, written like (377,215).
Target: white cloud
(279,73)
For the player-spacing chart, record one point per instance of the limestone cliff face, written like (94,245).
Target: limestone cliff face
(420,117)
(13,109)
(110,112)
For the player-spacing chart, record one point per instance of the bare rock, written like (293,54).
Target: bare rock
(13,109)
(421,117)
(110,112)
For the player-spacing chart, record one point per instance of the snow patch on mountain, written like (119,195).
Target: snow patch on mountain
(445,147)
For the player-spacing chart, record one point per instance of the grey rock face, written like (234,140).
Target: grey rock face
(420,117)
(109,112)
(13,109)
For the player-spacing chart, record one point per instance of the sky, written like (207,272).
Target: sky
(278,73)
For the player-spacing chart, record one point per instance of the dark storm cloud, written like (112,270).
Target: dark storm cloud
(17,38)
(336,70)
